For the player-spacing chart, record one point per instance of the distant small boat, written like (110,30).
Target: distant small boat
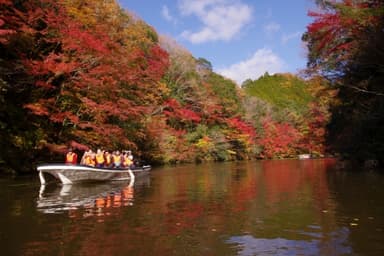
(69,174)
(304,156)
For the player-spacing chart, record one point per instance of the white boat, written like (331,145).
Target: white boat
(69,174)
(305,156)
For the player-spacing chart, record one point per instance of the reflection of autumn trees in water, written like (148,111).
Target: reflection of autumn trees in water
(202,193)
(210,199)
(192,208)
(289,179)
(103,205)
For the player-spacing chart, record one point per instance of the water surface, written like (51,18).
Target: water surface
(284,207)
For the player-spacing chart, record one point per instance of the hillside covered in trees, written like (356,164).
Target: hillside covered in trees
(289,113)
(90,74)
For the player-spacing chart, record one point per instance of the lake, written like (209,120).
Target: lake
(274,207)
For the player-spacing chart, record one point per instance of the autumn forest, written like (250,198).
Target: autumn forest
(76,73)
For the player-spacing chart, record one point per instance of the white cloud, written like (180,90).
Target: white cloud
(221,19)
(285,38)
(167,16)
(263,60)
(271,28)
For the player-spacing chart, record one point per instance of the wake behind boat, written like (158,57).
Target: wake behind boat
(69,174)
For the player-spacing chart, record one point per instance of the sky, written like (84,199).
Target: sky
(242,39)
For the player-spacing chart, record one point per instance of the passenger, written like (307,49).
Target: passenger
(107,159)
(99,158)
(127,160)
(116,159)
(71,157)
(82,161)
(130,156)
(90,158)
(122,165)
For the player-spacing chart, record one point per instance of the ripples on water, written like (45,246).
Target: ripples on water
(285,207)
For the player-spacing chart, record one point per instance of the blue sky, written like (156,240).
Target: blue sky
(241,38)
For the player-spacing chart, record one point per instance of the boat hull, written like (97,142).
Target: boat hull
(69,174)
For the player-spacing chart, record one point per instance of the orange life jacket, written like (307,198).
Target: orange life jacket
(69,158)
(116,159)
(127,161)
(89,161)
(108,159)
(99,158)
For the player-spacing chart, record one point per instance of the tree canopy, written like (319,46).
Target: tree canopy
(345,46)
(90,74)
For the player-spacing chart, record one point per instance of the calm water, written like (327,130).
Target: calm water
(286,207)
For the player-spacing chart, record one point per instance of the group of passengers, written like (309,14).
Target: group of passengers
(103,159)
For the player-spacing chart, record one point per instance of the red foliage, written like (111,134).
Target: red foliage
(76,37)
(43,84)
(172,103)
(38,109)
(83,78)
(53,64)
(242,126)
(5,32)
(279,139)
(11,20)
(175,110)
(6,2)
(78,146)
(326,27)
(158,63)
(189,115)
(314,140)
(335,33)
(62,116)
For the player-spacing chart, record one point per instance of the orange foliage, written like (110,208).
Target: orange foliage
(279,139)
(94,93)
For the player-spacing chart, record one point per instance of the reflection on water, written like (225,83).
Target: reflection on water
(335,244)
(285,207)
(92,198)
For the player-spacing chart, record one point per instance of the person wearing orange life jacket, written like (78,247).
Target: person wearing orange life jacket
(89,158)
(83,158)
(131,161)
(127,160)
(116,158)
(99,158)
(107,159)
(71,157)
(123,160)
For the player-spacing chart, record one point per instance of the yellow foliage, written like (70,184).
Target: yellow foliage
(155,97)
(120,25)
(89,12)
(205,143)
